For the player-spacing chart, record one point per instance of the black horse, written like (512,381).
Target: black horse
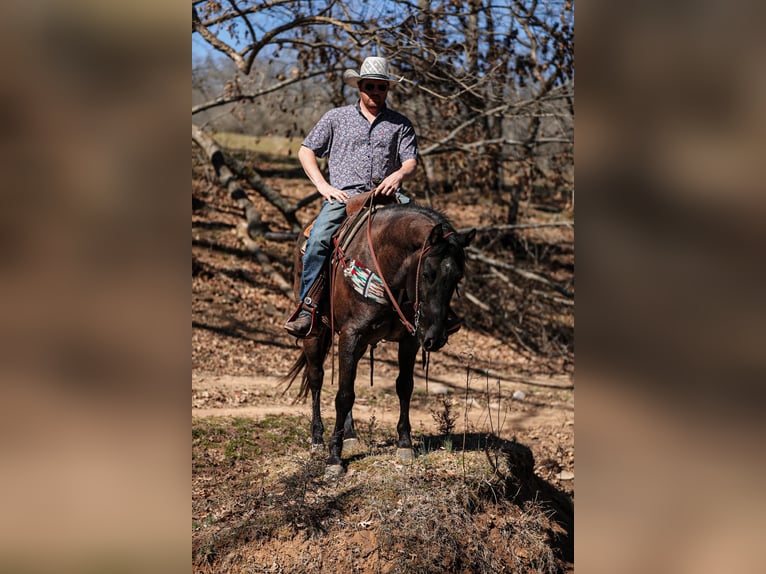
(413,258)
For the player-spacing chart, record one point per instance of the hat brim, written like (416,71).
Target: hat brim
(352,78)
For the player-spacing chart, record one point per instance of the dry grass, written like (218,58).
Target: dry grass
(272,145)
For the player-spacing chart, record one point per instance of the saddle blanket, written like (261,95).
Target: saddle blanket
(365,282)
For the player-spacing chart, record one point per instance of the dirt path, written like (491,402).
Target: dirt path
(548,402)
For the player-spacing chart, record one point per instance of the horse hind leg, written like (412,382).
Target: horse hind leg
(315,350)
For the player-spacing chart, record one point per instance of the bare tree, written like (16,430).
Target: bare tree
(488,85)
(253,36)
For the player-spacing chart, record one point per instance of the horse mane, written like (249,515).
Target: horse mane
(433,214)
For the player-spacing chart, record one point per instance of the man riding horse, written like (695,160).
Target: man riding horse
(370,147)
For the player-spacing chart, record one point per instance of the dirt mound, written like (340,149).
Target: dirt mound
(263,504)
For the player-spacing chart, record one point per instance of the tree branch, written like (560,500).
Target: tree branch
(213,40)
(476,301)
(230,99)
(477,255)
(569,224)
(252,224)
(350,28)
(227,178)
(267,192)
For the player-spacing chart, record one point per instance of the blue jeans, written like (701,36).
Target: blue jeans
(319,244)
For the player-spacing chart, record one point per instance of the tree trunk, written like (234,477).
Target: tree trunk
(229,172)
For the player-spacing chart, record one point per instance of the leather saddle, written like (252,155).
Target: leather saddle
(355,204)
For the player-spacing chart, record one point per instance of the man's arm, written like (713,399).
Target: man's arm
(308,160)
(393,182)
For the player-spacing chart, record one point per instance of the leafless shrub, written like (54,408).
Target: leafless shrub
(445,418)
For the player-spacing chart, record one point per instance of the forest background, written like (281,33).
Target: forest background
(490,90)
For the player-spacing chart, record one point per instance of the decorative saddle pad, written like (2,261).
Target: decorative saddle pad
(365,282)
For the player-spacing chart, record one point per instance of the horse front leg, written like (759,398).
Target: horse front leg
(348,358)
(408,349)
(350,440)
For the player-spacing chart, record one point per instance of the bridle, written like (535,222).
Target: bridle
(412,329)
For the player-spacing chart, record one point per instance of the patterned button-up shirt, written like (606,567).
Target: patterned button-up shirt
(362,154)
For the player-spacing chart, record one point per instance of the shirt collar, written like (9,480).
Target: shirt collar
(358,107)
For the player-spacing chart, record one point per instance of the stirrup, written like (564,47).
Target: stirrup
(305,306)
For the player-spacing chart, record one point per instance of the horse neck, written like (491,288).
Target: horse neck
(407,232)
(399,239)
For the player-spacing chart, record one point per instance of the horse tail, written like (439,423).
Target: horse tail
(298,366)
(319,354)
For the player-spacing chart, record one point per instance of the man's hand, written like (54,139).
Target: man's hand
(390,185)
(331,193)
(393,182)
(311,167)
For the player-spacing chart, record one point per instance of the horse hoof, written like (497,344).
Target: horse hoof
(352,446)
(334,471)
(317,447)
(404,454)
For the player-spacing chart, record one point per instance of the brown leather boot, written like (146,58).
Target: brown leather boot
(300,325)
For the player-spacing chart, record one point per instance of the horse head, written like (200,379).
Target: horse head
(440,269)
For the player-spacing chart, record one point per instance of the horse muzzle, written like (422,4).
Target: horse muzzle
(434,339)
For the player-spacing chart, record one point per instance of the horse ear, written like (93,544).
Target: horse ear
(436,235)
(467,237)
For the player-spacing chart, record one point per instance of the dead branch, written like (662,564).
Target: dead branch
(480,304)
(245,58)
(233,98)
(263,259)
(477,255)
(505,279)
(569,224)
(213,40)
(267,192)
(230,170)
(308,200)
(228,179)
(252,226)
(280,235)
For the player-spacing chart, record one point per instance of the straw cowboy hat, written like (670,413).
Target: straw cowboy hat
(373,68)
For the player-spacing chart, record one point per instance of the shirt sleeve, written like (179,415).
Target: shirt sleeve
(319,139)
(408,143)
